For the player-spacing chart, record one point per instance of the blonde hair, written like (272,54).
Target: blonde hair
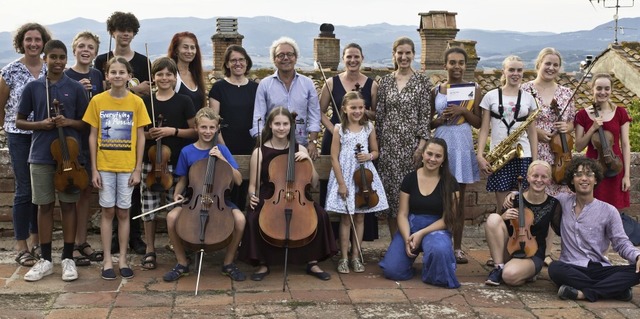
(538,162)
(511,58)
(547,51)
(208,113)
(85,35)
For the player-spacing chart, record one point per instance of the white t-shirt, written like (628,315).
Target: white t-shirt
(498,127)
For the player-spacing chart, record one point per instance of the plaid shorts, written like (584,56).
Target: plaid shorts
(152,200)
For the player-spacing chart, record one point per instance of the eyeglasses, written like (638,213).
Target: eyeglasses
(581,173)
(238,61)
(289,55)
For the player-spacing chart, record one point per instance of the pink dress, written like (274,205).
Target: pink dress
(609,189)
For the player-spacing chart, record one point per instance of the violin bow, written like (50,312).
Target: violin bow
(329,89)
(256,191)
(355,232)
(153,112)
(586,74)
(46,89)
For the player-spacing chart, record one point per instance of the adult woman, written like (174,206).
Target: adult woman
(185,51)
(349,80)
(403,116)
(463,163)
(516,271)
(613,190)
(256,251)
(545,89)
(28,41)
(425,222)
(232,98)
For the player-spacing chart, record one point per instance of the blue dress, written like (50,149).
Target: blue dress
(462,157)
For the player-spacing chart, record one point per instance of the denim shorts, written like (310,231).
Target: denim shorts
(115,190)
(43,191)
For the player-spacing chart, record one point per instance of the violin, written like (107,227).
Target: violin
(561,145)
(288,218)
(206,222)
(70,176)
(522,243)
(365,195)
(159,178)
(603,142)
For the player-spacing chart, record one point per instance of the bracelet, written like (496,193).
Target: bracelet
(176,133)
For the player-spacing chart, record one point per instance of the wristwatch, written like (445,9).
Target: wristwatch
(176,133)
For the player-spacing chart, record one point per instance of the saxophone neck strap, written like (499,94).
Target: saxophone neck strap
(500,115)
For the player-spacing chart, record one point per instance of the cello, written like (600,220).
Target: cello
(365,195)
(70,176)
(603,142)
(288,218)
(561,146)
(159,178)
(522,244)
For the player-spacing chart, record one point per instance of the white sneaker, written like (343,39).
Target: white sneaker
(69,271)
(40,269)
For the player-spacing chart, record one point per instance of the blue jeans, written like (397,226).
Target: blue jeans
(25,213)
(438,260)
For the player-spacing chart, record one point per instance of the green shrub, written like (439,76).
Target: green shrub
(634,131)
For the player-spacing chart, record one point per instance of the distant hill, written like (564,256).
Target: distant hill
(375,39)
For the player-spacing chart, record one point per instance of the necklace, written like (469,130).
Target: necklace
(240,83)
(278,147)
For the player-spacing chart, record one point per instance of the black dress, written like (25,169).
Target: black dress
(255,251)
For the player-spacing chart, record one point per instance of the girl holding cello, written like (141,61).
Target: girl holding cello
(255,250)
(605,119)
(355,133)
(516,271)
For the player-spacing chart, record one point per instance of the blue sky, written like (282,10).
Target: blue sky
(514,15)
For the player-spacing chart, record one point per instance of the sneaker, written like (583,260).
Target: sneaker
(343,266)
(233,272)
(69,271)
(175,273)
(627,295)
(357,265)
(567,293)
(495,277)
(42,268)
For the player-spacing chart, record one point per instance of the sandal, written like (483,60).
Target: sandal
(25,258)
(548,260)
(357,265)
(175,273)
(490,262)
(461,256)
(343,266)
(36,252)
(82,260)
(95,255)
(149,261)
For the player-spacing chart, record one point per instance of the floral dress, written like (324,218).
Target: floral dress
(402,120)
(545,121)
(349,165)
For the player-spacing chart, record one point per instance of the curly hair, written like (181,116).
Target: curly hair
(123,21)
(588,164)
(18,39)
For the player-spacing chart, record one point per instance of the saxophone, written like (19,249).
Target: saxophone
(504,151)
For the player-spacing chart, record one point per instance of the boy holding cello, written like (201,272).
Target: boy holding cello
(57,103)
(173,119)
(503,231)
(207,124)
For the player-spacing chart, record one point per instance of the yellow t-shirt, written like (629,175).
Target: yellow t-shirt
(117,121)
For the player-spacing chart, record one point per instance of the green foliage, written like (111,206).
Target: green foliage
(634,131)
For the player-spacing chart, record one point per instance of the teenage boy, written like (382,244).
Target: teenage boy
(123,27)
(207,124)
(174,122)
(47,119)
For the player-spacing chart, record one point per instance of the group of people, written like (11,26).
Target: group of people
(142,145)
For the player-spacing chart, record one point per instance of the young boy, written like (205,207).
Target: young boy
(174,124)
(116,143)
(123,27)
(72,105)
(85,48)
(207,124)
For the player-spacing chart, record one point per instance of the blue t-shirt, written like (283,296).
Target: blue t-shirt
(73,104)
(191,154)
(94,76)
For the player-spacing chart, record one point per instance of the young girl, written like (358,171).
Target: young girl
(503,111)
(613,190)
(342,189)
(464,165)
(116,143)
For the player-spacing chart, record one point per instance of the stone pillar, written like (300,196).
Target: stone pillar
(468,46)
(225,36)
(436,29)
(326,48)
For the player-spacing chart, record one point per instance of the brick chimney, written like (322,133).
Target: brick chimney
(326,48)
(436,29)
(468,46)
(226,35)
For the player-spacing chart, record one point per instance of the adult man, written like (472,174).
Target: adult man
(289,89)
(587,228)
